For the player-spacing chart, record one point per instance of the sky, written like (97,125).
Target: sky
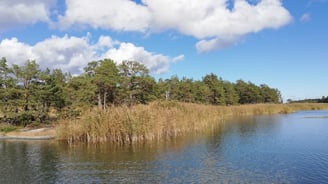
(283,44)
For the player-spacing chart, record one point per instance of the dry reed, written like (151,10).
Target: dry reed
(160,120)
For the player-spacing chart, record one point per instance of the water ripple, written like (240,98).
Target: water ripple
(270,150)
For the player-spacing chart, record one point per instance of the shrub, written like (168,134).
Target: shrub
(7,128)
(25,118)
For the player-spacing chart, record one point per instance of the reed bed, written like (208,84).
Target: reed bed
(160,120)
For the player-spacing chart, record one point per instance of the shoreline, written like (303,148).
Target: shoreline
(148,122)
(27,138)
(161,120)
(30,134)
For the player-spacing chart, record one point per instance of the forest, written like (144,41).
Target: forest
(30,95)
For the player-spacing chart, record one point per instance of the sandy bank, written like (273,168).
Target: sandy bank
(31,134)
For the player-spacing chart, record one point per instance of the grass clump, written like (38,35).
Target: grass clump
(160,120)
(8,128)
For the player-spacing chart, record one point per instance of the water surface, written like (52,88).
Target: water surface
(265,149)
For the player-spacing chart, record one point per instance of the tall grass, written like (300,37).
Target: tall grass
(160,120)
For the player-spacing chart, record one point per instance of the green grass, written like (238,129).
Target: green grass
(8,128)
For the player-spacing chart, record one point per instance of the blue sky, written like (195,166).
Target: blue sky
(280,43)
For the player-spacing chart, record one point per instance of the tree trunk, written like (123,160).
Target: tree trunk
(130,99)
(26,101)
(167,95)
(105,96)
(99,101)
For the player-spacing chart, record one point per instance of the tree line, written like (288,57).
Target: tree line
(29,94)
(323,99)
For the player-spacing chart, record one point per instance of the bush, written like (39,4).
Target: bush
(25,118)
(7,128)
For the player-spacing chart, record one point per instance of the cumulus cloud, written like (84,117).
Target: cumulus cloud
(123,15)
(157,63)
(213,22)
(16,52)
(72,54)
(68,53)
(14,13)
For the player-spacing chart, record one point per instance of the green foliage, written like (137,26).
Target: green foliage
(135,84)
(105,78)
(230,93)
(31,95)
(215,86)
(24,118)
(249,93)
(28,93)
(7,128)
(215,91)
(80,91)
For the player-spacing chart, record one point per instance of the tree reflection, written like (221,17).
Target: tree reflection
(27,162)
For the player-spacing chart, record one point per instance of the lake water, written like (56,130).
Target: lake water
(265,149)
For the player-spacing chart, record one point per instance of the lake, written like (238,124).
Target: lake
(289,148)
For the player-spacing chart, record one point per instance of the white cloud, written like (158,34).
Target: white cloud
(216,43)
(16,52)
(178,58)
(157,63)
(68,53)
(123,15)
(15,13)
(305,17)
(106,41)
(213,23)
(72,54)
(208,20)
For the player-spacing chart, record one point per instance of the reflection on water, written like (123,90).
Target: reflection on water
(21,162)
(264,149)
